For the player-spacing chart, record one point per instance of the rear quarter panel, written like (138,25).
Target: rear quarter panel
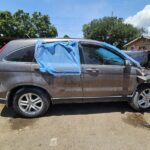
(13,74)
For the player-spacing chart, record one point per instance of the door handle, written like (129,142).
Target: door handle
(92,70)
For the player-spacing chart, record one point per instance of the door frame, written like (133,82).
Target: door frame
(126,71)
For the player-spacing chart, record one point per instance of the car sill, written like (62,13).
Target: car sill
(90,99)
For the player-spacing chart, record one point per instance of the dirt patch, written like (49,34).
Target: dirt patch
(19,123)
(136,120)
(1,107)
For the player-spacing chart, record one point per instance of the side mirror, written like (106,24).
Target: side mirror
(127,63)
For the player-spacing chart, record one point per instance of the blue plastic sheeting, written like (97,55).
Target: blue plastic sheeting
(140,56)
(58,58)
(120,51)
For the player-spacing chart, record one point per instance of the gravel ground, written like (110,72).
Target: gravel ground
(98,126)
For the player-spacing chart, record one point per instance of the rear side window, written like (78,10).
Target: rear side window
(22,55)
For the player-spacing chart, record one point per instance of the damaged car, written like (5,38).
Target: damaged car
(37,73)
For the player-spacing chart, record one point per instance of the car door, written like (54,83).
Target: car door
(103,72)
(64,87)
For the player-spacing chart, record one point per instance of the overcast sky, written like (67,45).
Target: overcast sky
(70,15)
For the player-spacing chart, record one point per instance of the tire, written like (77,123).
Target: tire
(141,99)
(31,102)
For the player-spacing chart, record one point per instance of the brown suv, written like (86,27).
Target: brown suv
(113,76)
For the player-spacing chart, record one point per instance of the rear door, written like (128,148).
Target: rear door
(103,72)
(65,87)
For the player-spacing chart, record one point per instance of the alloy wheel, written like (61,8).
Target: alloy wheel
(144,99)
(30,103)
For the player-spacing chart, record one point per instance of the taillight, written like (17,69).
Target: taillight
(2,48)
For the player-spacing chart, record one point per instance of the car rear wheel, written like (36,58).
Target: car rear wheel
(141,100)
(31,102)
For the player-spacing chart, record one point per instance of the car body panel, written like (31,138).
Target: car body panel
(13,74)
(99,80)
(144,79)
(62,87)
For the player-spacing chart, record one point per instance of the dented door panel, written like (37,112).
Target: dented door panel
(58,87)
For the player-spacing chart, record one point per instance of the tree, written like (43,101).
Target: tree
(22,25)
(6,24)
(66,36)
(42,25)
(112,30)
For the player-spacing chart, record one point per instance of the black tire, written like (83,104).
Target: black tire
(134,102)
(45,100)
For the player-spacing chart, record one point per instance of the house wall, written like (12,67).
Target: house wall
(139,44)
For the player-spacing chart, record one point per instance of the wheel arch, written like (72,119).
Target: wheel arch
(12,92)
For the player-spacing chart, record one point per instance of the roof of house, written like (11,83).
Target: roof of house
(141,37)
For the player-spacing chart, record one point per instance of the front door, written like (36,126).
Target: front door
(103,72)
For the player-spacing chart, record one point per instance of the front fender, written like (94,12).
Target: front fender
(143,79)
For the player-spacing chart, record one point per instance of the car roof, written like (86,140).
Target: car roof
(21,43)
(33,41)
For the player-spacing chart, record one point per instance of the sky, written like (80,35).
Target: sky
(69,16)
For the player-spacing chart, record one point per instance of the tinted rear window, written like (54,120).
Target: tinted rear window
(22,55)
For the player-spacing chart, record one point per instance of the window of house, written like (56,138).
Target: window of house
(23,55)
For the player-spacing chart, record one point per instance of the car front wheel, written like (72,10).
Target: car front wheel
(141,100)
(31,102)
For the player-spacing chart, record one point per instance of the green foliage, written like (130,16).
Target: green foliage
(112,30)
(66,36)
(22,25)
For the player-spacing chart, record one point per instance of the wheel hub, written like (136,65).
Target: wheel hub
(144,99)
(30,103)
